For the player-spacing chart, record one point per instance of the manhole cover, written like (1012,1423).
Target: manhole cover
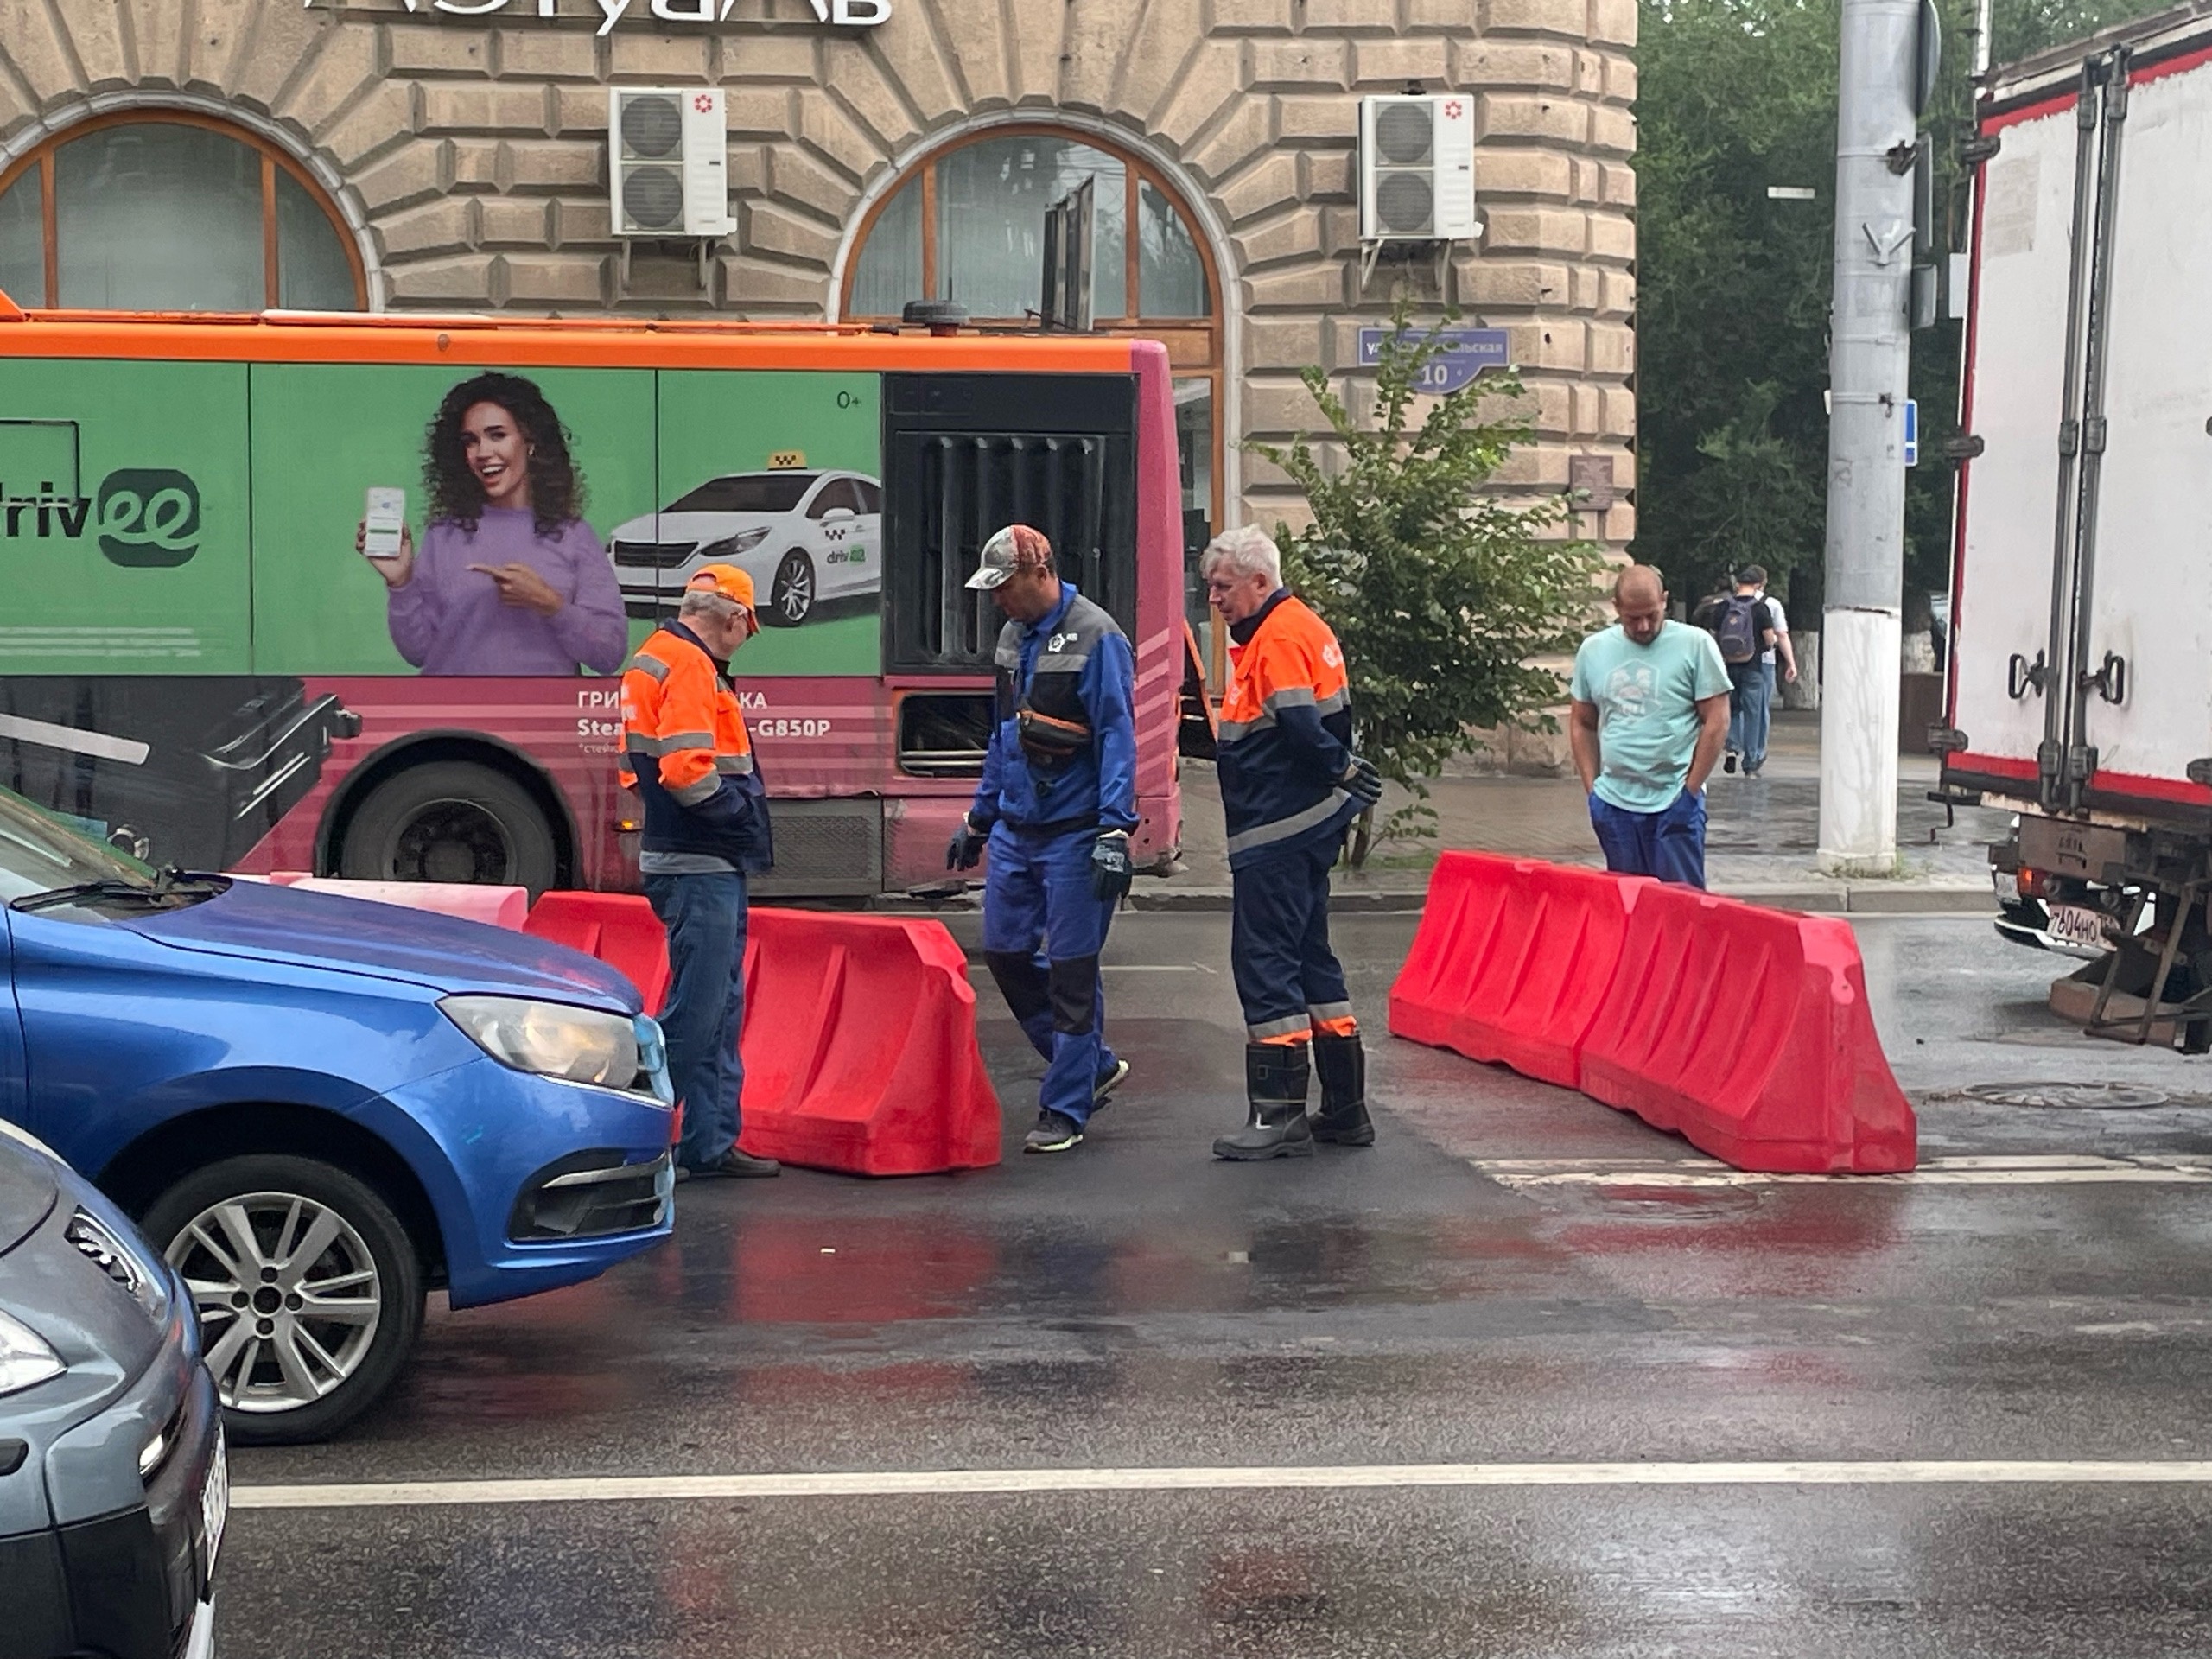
(2069,1097)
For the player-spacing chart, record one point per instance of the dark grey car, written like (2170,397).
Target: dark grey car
(113,1484)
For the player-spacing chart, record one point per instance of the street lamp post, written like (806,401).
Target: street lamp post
(1869,355)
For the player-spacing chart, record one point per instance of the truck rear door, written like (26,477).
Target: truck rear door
(2149,612)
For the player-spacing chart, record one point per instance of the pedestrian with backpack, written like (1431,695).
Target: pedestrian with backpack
(1744,626)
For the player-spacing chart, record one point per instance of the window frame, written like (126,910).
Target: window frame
(1197,346)
(1136,173)
(273,158)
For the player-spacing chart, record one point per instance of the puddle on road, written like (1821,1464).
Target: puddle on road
(1694,1204)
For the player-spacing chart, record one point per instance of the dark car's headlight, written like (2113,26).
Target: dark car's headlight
(146,1284)
(26,1357)
(553,1039)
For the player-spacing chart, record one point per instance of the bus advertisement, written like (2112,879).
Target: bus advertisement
(351,595)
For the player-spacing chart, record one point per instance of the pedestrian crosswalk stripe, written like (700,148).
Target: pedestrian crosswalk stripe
(946,1483)
(1995,1170)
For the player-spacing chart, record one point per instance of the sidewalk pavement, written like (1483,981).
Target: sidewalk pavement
(1760,844)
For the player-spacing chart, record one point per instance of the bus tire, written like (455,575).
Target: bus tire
(792,593)
(451,821)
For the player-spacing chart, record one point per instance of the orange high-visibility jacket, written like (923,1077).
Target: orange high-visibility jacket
(688,754)
(1285,734)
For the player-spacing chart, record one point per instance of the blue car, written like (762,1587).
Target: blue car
(319,1110)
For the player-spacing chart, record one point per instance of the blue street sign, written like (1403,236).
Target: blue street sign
(1466,353)
(1911,432)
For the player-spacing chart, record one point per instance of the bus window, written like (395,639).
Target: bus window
(943,734)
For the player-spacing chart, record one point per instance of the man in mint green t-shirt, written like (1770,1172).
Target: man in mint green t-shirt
(1649,716)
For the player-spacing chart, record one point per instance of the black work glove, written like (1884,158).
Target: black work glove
(1361,781)
(1110,866)
(965,851)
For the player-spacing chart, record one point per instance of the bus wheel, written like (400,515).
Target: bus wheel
(451,821)
(790,595)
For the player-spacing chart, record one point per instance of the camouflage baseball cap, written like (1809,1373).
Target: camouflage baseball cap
(1015,548)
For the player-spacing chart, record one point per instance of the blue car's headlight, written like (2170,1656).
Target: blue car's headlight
(25,1356)
(652,1059)
(554,1039)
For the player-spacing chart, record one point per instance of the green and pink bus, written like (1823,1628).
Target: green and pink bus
(204,655)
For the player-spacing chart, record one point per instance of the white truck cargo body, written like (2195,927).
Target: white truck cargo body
(2082,667)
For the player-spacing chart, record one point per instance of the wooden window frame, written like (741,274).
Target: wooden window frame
(273,159)
(1137,174)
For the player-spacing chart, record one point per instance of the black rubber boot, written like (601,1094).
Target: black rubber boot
(1275,1078)
(1343,1119)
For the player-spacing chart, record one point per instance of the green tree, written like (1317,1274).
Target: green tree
(1732,309)
(1444,595)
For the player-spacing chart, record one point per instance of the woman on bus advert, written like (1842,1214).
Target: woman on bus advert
(510,579)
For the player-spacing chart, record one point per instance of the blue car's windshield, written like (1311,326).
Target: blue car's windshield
(38,853)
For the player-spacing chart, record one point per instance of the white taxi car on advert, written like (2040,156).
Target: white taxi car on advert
(804,536)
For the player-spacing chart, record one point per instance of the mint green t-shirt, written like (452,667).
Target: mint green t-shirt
(1647,698)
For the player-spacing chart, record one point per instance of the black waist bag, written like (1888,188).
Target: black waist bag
(1049,743)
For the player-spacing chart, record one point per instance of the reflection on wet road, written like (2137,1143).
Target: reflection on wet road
(1137,1305)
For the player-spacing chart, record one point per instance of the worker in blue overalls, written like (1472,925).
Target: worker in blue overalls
(1055,807)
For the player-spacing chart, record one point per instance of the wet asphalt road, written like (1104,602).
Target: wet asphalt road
(1138,1305)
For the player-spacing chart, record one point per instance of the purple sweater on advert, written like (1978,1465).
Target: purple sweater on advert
(448,620)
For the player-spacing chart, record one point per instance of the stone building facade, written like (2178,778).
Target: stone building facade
(459,149)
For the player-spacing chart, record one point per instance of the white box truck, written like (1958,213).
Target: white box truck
(2079,695)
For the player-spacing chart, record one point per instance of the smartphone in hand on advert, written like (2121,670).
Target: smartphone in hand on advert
(386,517)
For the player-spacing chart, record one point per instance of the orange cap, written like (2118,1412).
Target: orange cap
(724,579)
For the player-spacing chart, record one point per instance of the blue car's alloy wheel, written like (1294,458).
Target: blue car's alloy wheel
(309,1290)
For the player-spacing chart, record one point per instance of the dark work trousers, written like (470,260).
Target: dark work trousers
(705,917)
(1043,929)
(1287,978)
(1669,843)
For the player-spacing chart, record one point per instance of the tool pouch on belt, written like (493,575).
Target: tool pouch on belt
(1049,743)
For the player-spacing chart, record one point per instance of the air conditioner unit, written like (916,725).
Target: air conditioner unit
(1417,168)
(668,162)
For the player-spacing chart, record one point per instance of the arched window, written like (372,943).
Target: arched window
(967,224)
(165,210)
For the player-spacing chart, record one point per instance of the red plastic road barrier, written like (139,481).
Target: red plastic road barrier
(1746,1030)
(619,928)
(859,1032)
(1512,960)
(474,902)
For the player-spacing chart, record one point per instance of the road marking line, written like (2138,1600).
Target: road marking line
(2025,1169)
(936,1482)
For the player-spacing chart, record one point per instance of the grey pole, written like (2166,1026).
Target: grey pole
(1869,351)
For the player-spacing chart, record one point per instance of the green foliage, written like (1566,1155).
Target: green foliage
(1442,594)
(1732,308)
(1735,96)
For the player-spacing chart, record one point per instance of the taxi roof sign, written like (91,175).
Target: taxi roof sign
(784,461)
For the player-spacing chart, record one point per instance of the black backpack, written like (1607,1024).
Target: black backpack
(1737,628)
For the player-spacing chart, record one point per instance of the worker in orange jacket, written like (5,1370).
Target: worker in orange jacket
(687,754)
(1290,788)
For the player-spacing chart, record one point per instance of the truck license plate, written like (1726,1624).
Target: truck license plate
(2077,924)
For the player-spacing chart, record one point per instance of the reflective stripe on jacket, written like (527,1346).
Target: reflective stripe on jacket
(1285,732)
(688,754)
